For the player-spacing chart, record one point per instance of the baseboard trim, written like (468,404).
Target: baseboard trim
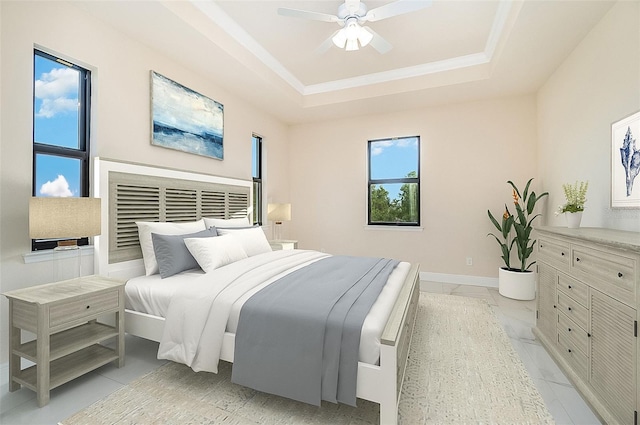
(460,279)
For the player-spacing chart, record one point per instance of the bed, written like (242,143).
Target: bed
(134,192)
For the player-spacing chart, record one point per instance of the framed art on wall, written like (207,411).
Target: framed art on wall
(185,120)
(625,162)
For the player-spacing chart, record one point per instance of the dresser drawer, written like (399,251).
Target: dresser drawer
(573,333)
(574,288)
(554,250)
(614,269)
(575,311)
(85,307)
(578,361)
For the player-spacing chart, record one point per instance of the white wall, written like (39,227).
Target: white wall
(120,118)
(468,152)
(598,84)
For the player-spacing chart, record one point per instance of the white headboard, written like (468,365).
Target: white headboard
(134,192)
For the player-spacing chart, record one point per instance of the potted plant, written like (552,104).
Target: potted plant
(576,196)
(517,282)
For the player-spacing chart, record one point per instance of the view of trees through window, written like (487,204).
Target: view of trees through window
(394,181)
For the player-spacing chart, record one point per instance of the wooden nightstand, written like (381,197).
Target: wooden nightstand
(63,316)
(277,245)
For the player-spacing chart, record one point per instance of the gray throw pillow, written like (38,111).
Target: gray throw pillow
(172,254)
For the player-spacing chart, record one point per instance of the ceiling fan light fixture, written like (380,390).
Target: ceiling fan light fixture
(340,39)
(364,37)
(352,45)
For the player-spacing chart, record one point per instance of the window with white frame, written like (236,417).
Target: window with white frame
(394,182)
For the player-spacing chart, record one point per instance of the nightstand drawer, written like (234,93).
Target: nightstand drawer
(89,305)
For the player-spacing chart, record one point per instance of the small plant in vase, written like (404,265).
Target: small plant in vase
(576,196)
(516,230)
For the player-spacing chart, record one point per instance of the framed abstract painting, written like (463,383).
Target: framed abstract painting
(185,120)
(625,162)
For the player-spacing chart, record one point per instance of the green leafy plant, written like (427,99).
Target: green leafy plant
(576,196)
(516,229)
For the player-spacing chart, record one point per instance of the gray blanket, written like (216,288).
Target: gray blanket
(299,337)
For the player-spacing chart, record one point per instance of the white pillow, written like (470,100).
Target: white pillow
(212,253)
(145,228)
(231,222)
(252,240)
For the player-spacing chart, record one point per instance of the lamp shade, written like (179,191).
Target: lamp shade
(279,212)
(51,218)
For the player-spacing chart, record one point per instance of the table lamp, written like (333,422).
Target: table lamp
(278,213)
(64,218)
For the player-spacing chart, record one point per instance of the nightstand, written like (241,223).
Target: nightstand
(277,245)
(63,316)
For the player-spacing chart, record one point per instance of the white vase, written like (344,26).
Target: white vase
(517,285)
(574,219)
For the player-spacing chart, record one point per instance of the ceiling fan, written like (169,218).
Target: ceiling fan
(351,14)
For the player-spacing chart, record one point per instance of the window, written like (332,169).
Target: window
(257,179)
(394,182)
(61,107)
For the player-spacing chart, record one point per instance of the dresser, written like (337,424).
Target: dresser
(68,338)
(588,311)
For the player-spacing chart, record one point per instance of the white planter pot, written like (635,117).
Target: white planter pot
(574,219)
(517,285)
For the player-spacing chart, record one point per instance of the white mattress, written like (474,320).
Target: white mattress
(152,295)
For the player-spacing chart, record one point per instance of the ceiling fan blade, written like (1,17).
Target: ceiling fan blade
(327,44)
(305,14)
(396,8)
(378,43)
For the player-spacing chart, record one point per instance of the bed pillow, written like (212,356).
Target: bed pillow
(212,253)
(172,254)
(145,228)
(231,222)
(252,239)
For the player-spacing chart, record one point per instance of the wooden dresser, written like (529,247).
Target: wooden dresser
(588,308)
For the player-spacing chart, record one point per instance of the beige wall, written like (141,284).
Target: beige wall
(121,118)
(598,84)
(468,152)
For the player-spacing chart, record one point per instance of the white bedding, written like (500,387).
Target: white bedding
(153,295)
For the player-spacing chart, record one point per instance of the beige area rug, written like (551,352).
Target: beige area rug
(462,369)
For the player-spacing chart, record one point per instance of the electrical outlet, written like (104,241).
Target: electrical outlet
(469,261)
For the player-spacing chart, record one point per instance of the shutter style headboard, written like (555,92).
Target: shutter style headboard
(133,192)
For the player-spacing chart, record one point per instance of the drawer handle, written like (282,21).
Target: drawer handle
(588,335)
(88,307)
(620,274)
(578,259)
(569,350)
(569,286)
(569,329)
(562,253)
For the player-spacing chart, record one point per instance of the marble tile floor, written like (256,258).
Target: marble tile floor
(517,317)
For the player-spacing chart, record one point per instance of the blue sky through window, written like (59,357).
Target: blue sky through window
(393,159)
(55,122)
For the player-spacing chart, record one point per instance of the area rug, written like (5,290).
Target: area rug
(462,369)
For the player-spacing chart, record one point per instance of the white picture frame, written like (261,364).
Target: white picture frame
(625,162)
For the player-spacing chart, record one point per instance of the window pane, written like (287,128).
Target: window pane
(394,203)
(255,166)
(57,176)
(393,158)
(55,114)
(257,202)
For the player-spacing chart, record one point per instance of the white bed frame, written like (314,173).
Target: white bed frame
(378,383)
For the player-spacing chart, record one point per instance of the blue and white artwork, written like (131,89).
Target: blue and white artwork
(625,156)
(185,120)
